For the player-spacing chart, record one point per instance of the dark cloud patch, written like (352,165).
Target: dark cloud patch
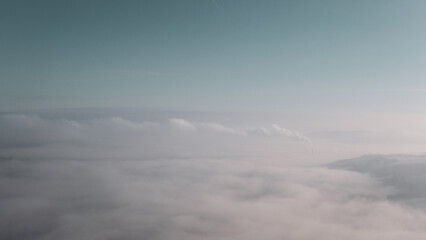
(406,174)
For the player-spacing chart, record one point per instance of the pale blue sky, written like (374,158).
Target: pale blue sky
(214,55)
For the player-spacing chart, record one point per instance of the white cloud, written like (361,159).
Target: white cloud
(220,128)
(123,124)
(290,134)
(265,131)
(182,124)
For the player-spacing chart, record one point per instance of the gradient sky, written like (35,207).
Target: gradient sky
(214,55)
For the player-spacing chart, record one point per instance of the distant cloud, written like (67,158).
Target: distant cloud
(118,122)
(275,130)
(182,124)
(144,139)
(220,128)
(289,133)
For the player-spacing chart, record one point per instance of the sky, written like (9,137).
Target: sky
(212,119)
(213,55)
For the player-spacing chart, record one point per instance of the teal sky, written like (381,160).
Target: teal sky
(214,55)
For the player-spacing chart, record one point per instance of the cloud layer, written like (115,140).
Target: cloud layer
(112,178)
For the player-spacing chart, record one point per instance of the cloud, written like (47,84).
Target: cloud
(181,124)
(113,178)
(220,128)
(210,126)
(123,124)
(403,173)
(289,133)
(275,130)
(193,199)
(28,135)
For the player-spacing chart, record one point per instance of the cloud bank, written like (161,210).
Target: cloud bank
(112,178)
